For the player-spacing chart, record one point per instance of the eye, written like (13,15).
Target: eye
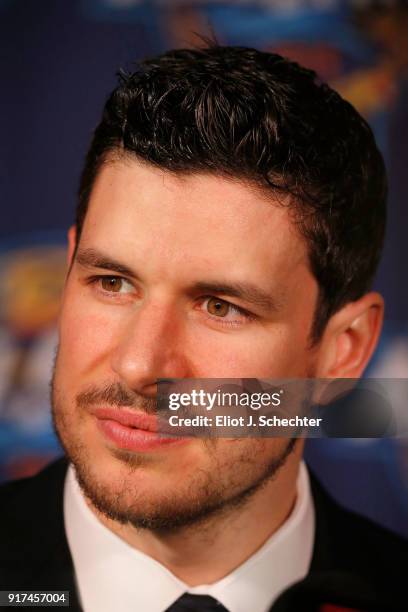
(225,312)
(218,307)
(113,284)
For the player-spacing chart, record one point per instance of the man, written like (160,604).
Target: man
(230,220)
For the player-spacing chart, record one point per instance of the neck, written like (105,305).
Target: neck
(206,552)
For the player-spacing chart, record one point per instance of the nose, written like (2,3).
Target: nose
(151,346)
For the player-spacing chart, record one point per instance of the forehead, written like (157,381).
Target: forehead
(198,221)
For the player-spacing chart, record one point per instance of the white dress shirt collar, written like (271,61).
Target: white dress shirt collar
(111,575)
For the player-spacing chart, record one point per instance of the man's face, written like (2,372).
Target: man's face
(183,277)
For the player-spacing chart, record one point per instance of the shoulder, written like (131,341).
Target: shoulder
(353,544)
(46,482)
(347,530)
(32,508)
(34,552)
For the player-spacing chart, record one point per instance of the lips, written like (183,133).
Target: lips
(134,431)
(136,420)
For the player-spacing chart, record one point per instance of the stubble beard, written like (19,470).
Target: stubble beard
(206,497)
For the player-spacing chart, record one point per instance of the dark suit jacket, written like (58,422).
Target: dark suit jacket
(356,564)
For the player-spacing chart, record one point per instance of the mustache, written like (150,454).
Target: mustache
(116,395)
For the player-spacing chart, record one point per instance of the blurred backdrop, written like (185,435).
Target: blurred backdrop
(58,62)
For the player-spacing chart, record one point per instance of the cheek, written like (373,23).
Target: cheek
(277,351)
(87,334)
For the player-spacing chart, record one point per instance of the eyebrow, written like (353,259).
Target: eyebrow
(248,292)
(91,258)
(245,291)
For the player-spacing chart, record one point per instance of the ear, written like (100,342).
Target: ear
(350,338)
(72,234)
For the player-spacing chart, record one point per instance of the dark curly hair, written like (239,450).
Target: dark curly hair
(240,112)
